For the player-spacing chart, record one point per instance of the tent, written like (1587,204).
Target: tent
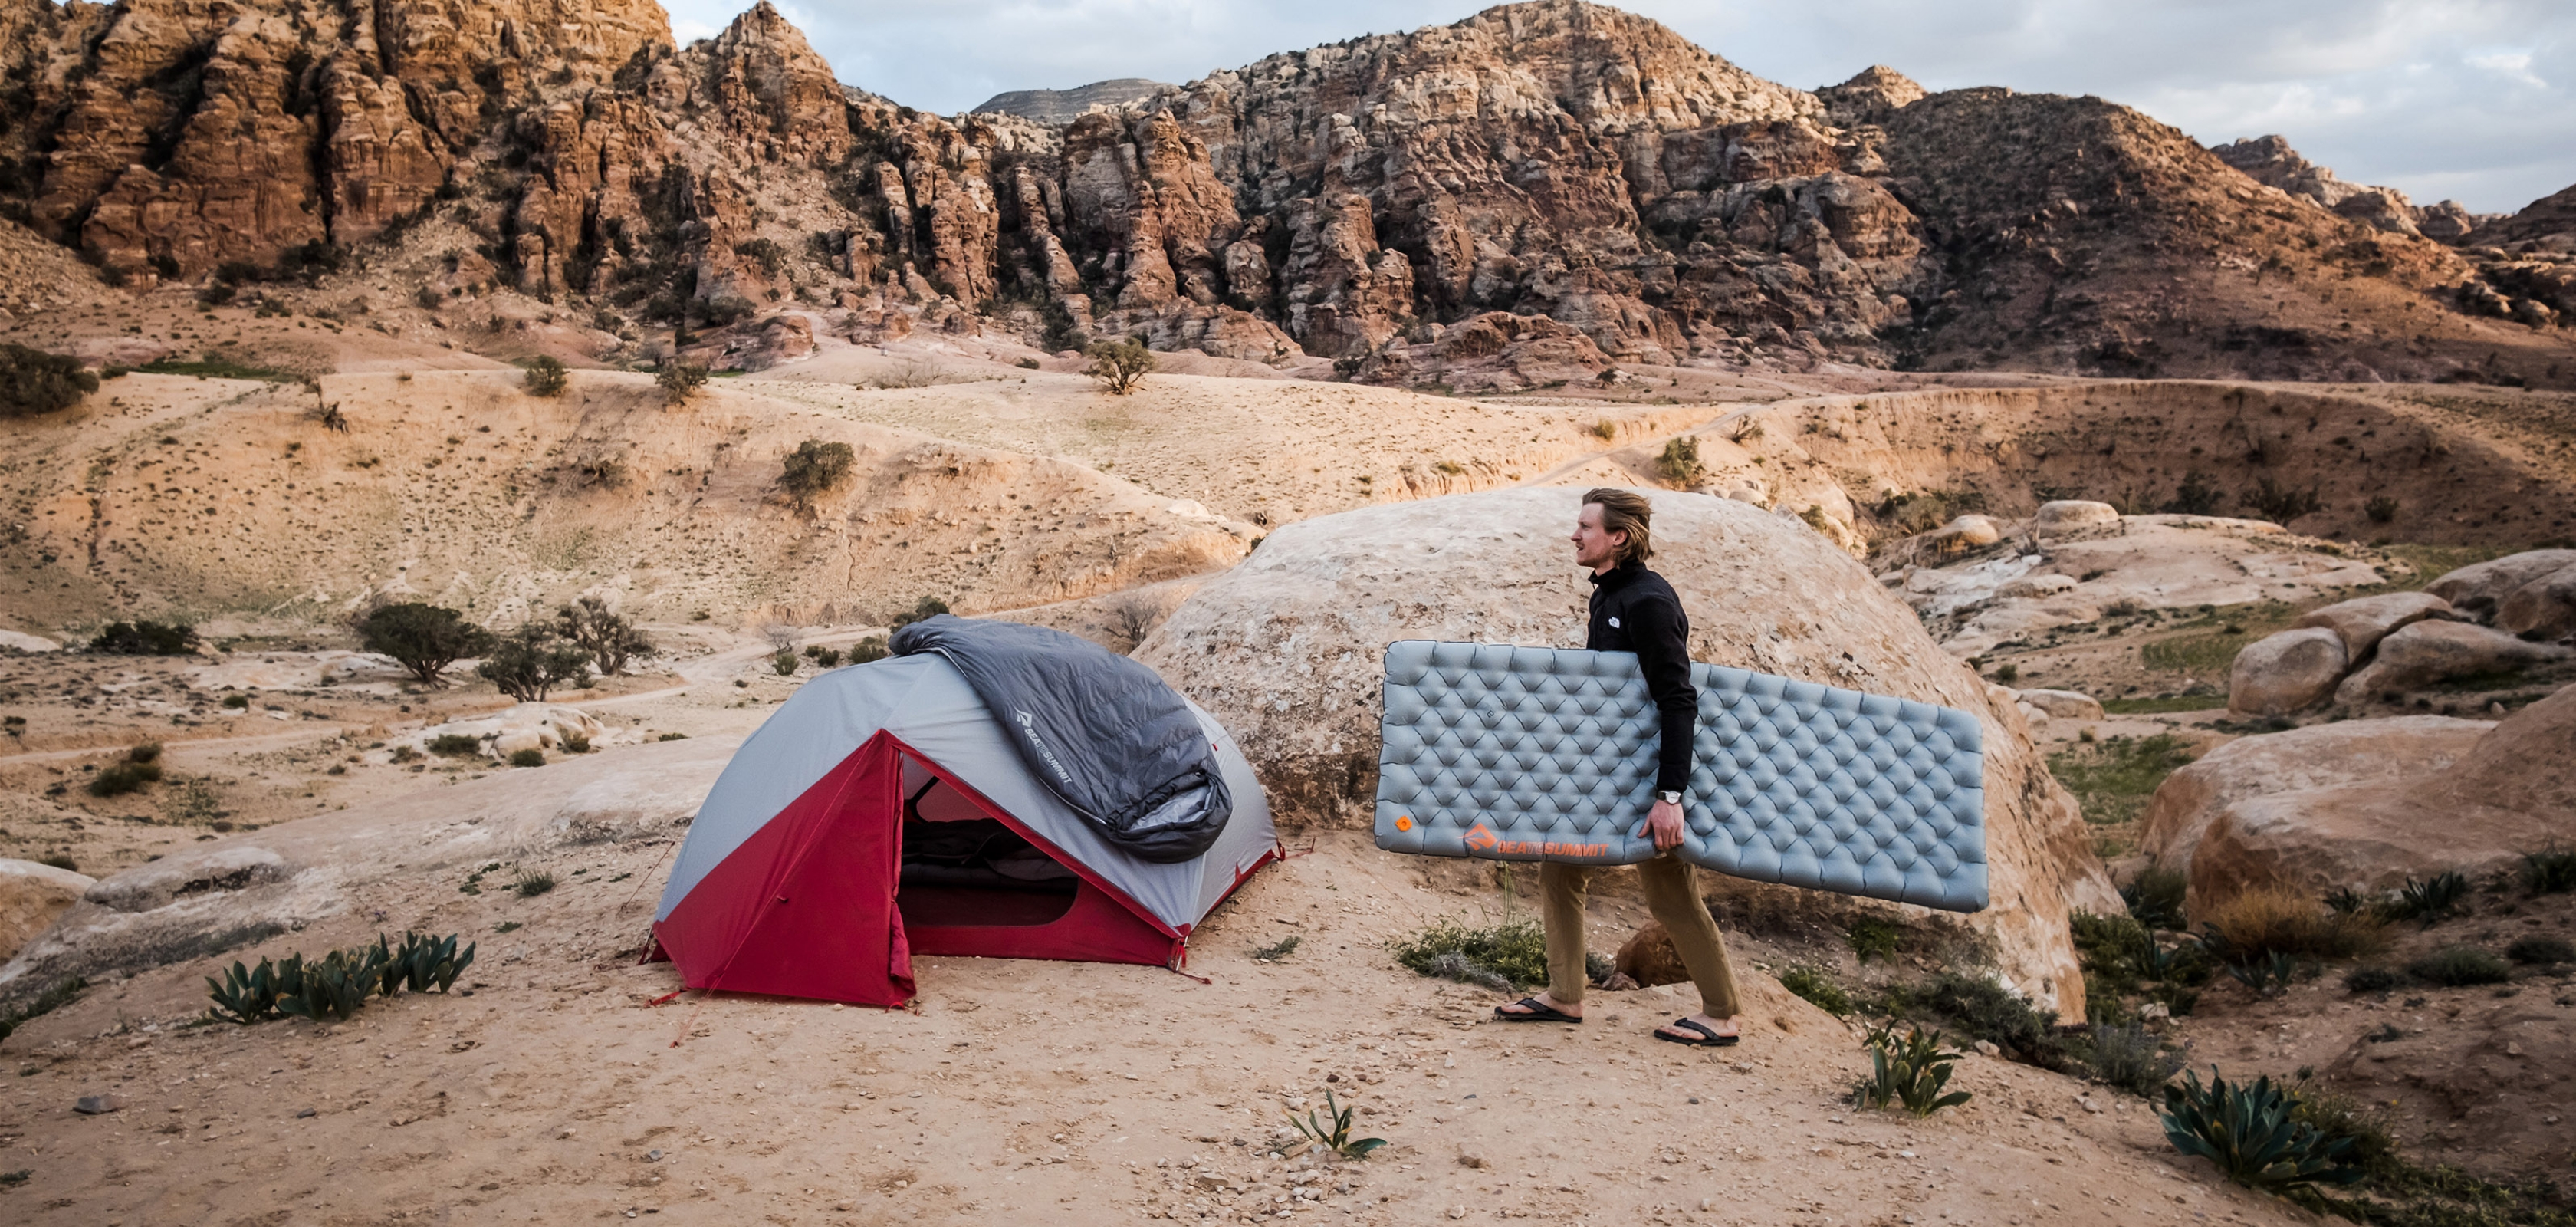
(882,813)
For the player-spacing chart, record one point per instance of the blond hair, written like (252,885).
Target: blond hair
(1625,511)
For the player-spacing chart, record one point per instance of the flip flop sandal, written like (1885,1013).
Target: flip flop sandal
(1714,1040)
(1535,1011)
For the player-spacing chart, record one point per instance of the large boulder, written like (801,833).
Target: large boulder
(2179,816)
(1287,651)
(2543,609)
(2365,620)
(2480,587)
(542,727)
(2287,672)
(209,897)
(2061,704)
(2513,791)
(2065,516)
(31,896)
(2429,652)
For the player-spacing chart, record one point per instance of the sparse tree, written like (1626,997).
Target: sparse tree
(680,380)
(1118,366)
(813,469)
(922,611)
(547,377)
(423,638)
(532,660)
(1133,616)
(2279,503)
(608,637)
(1680,462)
(2197,496)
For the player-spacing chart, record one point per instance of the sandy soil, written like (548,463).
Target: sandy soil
(558,1091)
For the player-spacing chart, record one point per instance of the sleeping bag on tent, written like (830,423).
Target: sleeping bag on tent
(1105,733)
(1521,753)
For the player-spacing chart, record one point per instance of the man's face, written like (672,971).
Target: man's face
(1593,547)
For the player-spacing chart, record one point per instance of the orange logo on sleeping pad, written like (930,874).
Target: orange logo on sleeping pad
(1483,842)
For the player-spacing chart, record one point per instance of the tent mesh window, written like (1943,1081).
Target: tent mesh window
(964,867)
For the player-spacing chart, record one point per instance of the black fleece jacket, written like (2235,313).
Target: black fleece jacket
(1634,610)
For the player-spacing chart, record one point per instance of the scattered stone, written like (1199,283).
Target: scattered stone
(96,1105)
(307,1112)
(2285,673)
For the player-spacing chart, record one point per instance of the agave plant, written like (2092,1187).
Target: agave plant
(2430,899)
(337,984)
(1911,1071)
(424,964)
(1332,1130)
(2251,1133)
(2268,976)
(247,995)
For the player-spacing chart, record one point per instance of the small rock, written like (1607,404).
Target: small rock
(652,1156)
(1467,1160)
(305,1113)
(1986,1048)
(96,1105)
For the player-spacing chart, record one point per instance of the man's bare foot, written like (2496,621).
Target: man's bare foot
(1700,1029)
(1546,1006)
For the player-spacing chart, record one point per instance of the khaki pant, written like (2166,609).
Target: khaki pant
(1670,897)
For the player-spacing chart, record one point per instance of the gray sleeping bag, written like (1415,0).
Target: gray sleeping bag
(1536,754)
(1106,734)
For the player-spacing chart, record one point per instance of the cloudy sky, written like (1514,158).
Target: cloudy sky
(2473,100)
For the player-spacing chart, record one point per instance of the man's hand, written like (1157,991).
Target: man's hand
(1665,823)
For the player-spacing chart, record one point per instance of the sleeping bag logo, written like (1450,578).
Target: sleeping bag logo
(1029,728)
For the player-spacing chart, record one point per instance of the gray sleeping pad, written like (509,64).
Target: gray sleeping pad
(1517,753)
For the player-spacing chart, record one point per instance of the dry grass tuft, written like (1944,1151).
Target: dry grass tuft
(2261,922)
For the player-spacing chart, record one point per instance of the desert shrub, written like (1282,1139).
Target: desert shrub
(823,657)
(455,745)
(813,469)
(1872,937)
(767,251)
(2429,899)
(423,638)
(2132,1060)
(118,779)
(2460,967)
(1118,366)
(1513,952)
(2269,975)
(2281,504)
(2259,923)
(60,861)
(34,382)
(1818,989)
(529,662)
(2155,896)
(2114,952)
(2335,1117)
(2197,496)
(922,611)
(1680,460)
(2007,673)
(1910,1072)
(1132,617)
(784,661)
(546,377)
(529,757)
(145,639)
(2253,1134)
(873,648)
(2550,872)
(2371,980)
(2381,510)
(1980,1008)
(61,993)
(336,985)
(237,702)
(1605,430)
(611,640)
(1028,364)
(679,380)
(573,743)
(2545,951)
(533,882)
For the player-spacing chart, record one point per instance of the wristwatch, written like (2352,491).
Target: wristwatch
(1669,798)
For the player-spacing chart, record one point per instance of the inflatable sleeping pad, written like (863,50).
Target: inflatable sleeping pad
(1516,753)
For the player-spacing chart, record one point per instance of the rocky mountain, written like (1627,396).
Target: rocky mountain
(1061,106)
(1541,189)
(2270,161)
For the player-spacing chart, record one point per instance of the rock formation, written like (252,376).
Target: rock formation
(2270,161)
(1285,651)
(1063,106)
(31,896)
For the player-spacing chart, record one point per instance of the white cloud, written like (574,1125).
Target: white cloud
(2434,97)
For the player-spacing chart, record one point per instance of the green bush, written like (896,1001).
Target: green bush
(813,469)
(1910,1072)
(1118,366)
(1980,1008)
(455,745)
(118,779)
(533,882)
(2155,896)
(2459,967)
(1873,938)
(237,702)
(530,757)
(2253,1134)
(336,985)
(1813,984)
(2130,1059)
(423,638)
(783,661)
(2281,504)
(1513,952)
(2371,980)
(922,611)
(531,661)
(2549,872)
(2197,496)
(145,639)
(611,640)
(1680,459)
(680,380)
(2545,951)
(2429,899)
(34,382)
(2114,778)
(868,650)
(546,377)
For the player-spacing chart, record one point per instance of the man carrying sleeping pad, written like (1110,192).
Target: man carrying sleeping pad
(1634,610)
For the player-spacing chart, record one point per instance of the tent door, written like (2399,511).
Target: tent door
(962,866)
